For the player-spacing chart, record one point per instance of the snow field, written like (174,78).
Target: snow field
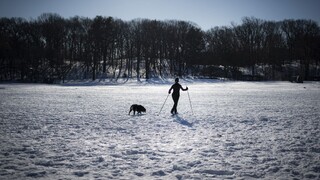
(239,130)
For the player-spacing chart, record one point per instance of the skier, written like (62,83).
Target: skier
(176,94)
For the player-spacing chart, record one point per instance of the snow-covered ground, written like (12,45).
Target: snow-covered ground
(239,130)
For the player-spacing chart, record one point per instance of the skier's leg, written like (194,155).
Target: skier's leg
(176,106)
(175,99)
(172,110)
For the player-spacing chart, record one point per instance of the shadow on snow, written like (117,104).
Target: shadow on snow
(182,121)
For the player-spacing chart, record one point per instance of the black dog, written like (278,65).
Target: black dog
(138,108)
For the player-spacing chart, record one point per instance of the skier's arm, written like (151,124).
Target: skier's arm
(186,89)
(170,90)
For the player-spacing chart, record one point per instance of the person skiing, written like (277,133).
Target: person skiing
(176,94)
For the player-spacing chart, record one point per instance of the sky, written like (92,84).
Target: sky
(205,13)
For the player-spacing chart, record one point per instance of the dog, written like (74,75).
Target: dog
(138,108)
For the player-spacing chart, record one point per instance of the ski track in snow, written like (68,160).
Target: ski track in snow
(239,130)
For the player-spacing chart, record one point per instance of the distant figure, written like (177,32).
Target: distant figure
(176,94)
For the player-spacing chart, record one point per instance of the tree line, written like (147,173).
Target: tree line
(51,47)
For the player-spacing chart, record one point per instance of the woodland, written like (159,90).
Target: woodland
(52,48)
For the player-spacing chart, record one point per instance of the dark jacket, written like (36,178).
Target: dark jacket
(176,89)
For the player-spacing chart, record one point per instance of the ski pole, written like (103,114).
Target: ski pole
(190,102)
(163,104)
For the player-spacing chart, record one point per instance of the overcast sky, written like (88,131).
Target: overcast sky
(205,13)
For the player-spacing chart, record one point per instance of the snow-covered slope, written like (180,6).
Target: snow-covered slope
(241,130)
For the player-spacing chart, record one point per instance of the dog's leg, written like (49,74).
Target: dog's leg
(134,112)
(130,111)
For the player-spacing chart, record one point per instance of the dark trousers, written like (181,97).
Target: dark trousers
(175,100)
